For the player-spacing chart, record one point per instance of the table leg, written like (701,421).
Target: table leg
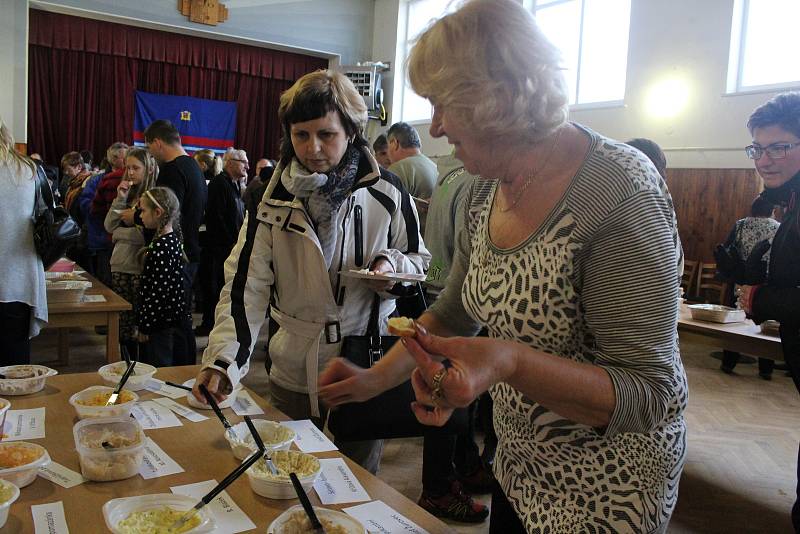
(112,340)
(63,346)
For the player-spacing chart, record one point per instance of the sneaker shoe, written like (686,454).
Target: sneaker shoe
(480,482)
(202,331)
(455,505)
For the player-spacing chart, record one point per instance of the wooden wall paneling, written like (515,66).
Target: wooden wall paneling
(708,202)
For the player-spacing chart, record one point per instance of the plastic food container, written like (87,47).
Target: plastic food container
(122,408)
(63,265)
(22,475)
(24,379)
(109,448)
(117,510)
(271,486)
(8,494)
(294,520)
(716,313)
(274,435)
(771,328)
(112,373)
(4,407)
(203,406)
(66,291)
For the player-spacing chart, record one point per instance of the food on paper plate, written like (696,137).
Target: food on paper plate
(299,523)
(156,521)
(100,399)
(402,326)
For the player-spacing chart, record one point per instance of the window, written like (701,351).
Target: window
(593,38)
(762,45)
(419,15)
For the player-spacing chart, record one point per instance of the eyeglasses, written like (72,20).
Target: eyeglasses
(774,151)
(239,160)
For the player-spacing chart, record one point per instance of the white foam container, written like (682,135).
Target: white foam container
(103,465)
(340,519)
(5,405)
(117,510)
(716,313)
(24,386)
(202,405)
(116,410)
(282,487)
(5,507)
(269,431)
(141,374)
(24,474)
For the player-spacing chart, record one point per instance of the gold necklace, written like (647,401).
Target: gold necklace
(533,175)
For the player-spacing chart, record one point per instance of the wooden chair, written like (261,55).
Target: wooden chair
(708,288)
(689,278)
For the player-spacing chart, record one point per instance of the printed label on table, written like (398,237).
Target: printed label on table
(49,518)
(336,483)
(153,415)
(378,516)
(230,518)
(159,386)
(308,437)
(181,410)
(63,476)
(93,298)
(24,424)
(245,405)
(156,462)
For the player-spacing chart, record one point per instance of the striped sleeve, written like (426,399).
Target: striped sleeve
(630,302)
(407,252)
(243,301)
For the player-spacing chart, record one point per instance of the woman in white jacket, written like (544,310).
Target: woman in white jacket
(328,208)
(127,257)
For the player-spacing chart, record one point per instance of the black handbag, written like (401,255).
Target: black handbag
(389,414)
(53,228)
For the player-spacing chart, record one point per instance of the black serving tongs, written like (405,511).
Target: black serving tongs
(112,399)
(214,406)
(227,481)
(301,494)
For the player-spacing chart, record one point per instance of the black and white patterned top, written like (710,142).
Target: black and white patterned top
(750,231)
(162,302)
(598,282)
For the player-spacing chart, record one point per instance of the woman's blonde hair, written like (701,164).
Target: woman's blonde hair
(150,172)
(210,159)
(315,95)
(490,63)
(9,154)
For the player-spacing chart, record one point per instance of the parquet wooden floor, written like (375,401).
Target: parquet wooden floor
(743,441)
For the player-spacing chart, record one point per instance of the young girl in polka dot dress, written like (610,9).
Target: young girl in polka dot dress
(162,308)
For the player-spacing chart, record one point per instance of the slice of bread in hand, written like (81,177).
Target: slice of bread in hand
(402,326)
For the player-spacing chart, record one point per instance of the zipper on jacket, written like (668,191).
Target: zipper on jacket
(339,293)
(359,230)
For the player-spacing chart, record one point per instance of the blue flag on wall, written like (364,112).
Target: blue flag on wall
(202,123)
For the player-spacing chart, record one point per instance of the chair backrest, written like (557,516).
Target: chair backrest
(689,278)
(708,288)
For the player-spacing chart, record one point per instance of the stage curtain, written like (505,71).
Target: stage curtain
(83,74)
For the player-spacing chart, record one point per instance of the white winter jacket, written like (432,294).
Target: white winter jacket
(278,255)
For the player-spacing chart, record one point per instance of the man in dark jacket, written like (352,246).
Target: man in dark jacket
(224,217)
(775,127)
(182,174)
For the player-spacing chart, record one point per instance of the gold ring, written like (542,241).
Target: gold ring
(437,379)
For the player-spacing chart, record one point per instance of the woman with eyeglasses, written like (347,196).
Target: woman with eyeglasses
(775,127)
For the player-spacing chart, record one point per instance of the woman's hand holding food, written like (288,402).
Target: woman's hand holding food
(381,266)
(123,189)
(215,381)
(342,382)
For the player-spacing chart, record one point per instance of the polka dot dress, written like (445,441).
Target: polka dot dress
(162,301)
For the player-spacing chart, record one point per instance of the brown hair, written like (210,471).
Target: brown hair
(70,159)
(150,172)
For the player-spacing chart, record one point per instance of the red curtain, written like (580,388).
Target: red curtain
(83,74)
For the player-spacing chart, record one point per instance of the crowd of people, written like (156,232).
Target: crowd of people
(529,234)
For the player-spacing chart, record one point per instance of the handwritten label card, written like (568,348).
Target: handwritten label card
(24,424)
(337,484)
(159,386)
(49,518)
(309,438)
(245,405)
(93,298)
(378,516)
(181,410)
(153,415)
(230,518)
(63,476)
(156,462)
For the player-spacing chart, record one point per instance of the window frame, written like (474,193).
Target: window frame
(737,48)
